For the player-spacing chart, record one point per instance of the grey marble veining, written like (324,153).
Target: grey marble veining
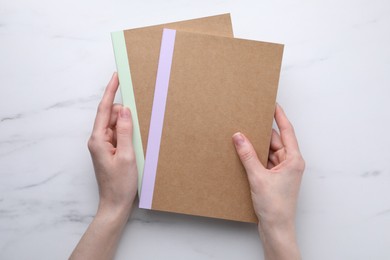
(56,57)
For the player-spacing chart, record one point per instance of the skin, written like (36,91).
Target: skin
(113,159)
(274,188)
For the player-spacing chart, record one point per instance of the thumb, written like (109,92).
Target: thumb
(124,131)
(247,154)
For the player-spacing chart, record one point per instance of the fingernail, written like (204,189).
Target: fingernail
(238,139)
(125,113)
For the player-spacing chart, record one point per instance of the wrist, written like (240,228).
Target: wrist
(120,205)
(276,225)
(119,213)
(276,231)
(279,240)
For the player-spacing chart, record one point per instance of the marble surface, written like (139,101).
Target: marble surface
(56,58)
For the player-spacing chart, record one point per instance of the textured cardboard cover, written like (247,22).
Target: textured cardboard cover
(143,48)
(217,86)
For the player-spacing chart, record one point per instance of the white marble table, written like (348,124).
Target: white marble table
(56,57)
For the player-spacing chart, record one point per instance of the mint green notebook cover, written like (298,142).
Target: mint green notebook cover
(128,99)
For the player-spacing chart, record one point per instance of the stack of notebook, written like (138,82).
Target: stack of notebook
(190,86)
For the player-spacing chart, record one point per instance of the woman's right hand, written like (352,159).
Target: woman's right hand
(275,187)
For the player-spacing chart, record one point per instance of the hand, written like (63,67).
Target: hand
(275,188)
(112,153)
(116,173)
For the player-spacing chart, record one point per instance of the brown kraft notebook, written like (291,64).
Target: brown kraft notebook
(136,53)
(207,88)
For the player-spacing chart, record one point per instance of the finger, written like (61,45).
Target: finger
(124,133)
(104,110)
(286,130)
(272,157)
(276,141)
(247,154)
(114,115)
(116,108)
(270,165)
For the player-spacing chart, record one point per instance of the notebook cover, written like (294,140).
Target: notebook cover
(208,88)
(136,54)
